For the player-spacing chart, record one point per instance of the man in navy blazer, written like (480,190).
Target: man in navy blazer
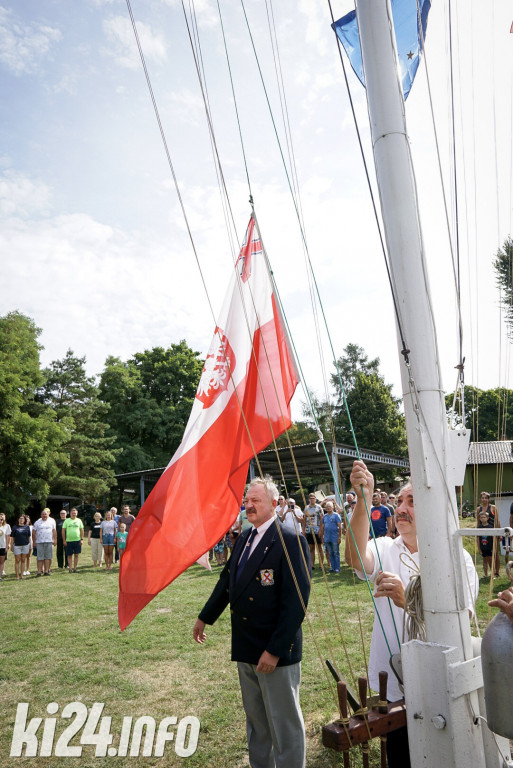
(267,583)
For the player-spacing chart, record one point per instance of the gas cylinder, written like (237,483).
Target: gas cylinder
(497,664)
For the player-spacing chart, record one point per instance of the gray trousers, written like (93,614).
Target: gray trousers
(274,721)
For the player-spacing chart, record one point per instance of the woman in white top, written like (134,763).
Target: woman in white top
(5,537)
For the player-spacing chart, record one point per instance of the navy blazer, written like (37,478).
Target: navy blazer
(266,610)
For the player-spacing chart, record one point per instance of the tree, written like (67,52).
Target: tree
(376,418)
(75,400)
(150,398)
(377,421)
(30,439)
(353,360)
(503,266)
(488,413)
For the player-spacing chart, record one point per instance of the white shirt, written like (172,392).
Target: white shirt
(259,533)
(44,530)
(390,551)
(290,521)
(5,530)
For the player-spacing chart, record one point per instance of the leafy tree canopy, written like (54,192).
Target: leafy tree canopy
(30,439)
(503,266)
(353,361)
(74,397)
(150,398)
(376,417)
(488,413)
(377,421)
(375,413)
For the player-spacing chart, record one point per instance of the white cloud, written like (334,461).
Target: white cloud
(187,106)
(123,47)
(206,11)
(21,197)
(67,84)
(23,45)
(316,24)
(93,287)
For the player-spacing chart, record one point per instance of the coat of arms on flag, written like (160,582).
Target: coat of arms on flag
(216,372)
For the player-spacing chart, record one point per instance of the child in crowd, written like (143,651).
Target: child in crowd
(121,539)
(219,552)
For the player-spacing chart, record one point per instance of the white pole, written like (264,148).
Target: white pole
(440,550)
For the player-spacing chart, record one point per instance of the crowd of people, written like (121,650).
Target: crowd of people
(64,538)
(322,522)
(267,584)
(256,584)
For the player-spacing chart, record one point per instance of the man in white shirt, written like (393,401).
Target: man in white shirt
(390,573)
(44,538)
(292,517)
(313,518)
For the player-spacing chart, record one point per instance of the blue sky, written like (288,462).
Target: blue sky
(92,240)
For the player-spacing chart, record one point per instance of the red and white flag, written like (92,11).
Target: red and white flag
(242,402)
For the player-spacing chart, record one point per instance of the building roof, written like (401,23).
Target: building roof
(309,461)
(491,452)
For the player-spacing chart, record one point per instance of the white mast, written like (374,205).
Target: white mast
(441,675)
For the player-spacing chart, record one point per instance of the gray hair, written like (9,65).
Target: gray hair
(269,485)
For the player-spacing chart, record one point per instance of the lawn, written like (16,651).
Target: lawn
(61,644)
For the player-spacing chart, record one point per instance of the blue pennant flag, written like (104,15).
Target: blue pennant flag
(407,34)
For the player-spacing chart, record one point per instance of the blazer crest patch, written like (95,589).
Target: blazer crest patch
(267,577)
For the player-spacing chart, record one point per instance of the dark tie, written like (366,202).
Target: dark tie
(245,554)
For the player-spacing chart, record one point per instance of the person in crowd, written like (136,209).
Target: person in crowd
(115,517)
(292,517)
(72,537)
(385,503)
(313,517)
(389,573)
(94,541)
(244,522)
(381,518)
(44,538)
(5,537)
(61,555)
(20,545)
(121,537)
(126,517)
(219,551)
(488,517)
(507,541)
(236,529)
(27,560)
(349,508)
(227,546)
(108,530)
(331,535)
(267,583)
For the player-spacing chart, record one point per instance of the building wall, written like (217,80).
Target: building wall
(487,477)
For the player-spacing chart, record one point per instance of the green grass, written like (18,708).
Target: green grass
(60,642)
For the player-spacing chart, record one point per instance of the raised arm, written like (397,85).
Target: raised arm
(360,477)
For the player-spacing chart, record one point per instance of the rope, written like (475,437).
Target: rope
(221,177)
(404,351)
(414,627)
(288,438)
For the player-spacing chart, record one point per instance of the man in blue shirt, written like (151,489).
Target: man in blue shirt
(381,519)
